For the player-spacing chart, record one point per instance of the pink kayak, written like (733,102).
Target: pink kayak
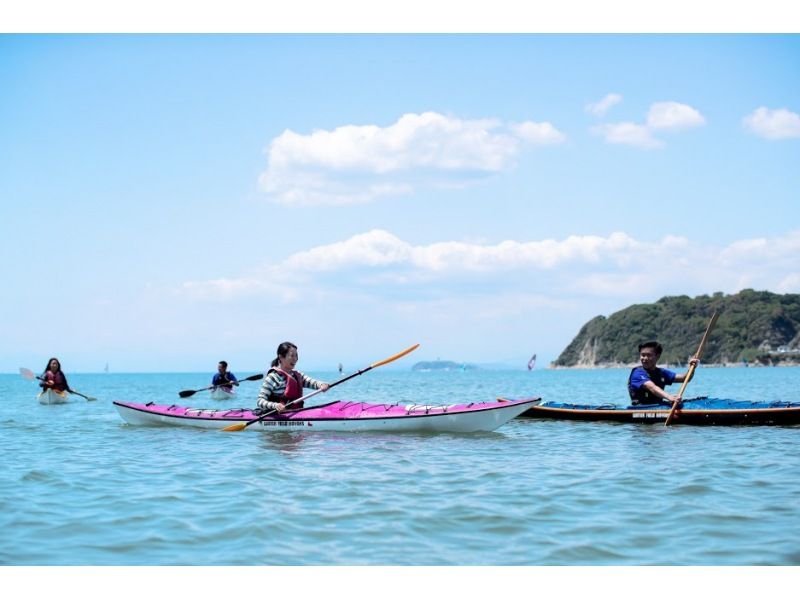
(338,416)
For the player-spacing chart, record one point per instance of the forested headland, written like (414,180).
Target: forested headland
(754,328)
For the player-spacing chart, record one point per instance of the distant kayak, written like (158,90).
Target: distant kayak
(223,393)
(340,416)
(52,397)
(702,411)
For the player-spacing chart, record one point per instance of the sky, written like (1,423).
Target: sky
(172,200)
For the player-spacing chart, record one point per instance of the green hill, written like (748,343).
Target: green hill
(753,326)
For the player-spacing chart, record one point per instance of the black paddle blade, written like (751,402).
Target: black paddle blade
(255,377)
(186,393)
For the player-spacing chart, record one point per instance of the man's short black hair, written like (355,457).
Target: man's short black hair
(225,363)
(656,346)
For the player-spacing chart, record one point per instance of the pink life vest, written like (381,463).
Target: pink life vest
(294,387)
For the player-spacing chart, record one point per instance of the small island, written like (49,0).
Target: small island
(441,365)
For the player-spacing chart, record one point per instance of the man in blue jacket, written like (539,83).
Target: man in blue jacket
(223,377)
(647,381)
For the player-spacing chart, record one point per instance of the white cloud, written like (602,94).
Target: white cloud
(601,107)
(539,133)
(378,263)
(673,115)
(358,163)
(627,133)
(790,284)
(379,248)
(773,124)
(763,249)
(375,248)
(662,116)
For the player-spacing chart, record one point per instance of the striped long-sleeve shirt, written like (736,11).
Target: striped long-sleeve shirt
(274,387)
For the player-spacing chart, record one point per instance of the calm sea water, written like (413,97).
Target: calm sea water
(78,486)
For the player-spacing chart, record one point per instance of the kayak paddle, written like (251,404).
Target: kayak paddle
(188,393)
(241,426)
(692,367)
(29,375)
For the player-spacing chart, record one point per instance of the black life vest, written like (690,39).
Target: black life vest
(641,396)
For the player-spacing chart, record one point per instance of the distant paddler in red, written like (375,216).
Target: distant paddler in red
(53,378)
(53,382)
(283,383)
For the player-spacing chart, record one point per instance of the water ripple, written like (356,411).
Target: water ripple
(533,493)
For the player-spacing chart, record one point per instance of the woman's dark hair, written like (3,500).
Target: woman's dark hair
(47,367)
(283,350)
(656,346)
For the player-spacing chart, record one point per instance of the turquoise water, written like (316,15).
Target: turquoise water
(81,487)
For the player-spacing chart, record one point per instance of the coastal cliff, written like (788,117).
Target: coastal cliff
(754,327)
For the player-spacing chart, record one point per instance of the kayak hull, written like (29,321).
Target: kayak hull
(52,397)
(336,417)
(222,393)
(701,411)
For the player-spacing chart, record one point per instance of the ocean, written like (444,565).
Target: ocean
(81,487)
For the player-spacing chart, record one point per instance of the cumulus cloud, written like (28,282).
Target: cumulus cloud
(673,115)
(539,133)
(773,124)
(601,107)
(377,263)
(378,257)
(627,133)
(790,284)
(661,117)
(358,163)
(764,249)
(379,248)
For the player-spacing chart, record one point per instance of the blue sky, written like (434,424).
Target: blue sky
(173,200)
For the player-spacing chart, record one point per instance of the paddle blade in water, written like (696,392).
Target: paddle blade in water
(234,428)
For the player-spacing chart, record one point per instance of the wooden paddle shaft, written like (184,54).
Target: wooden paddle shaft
(692,367)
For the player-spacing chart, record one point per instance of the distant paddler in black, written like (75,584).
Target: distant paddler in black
(53,378)
(283,383)
(647,381)
(223,377)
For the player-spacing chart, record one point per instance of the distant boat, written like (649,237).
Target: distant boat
(532,362)
(105,369)
(340,368)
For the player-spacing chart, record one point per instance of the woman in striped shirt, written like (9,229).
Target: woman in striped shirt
(283,384)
